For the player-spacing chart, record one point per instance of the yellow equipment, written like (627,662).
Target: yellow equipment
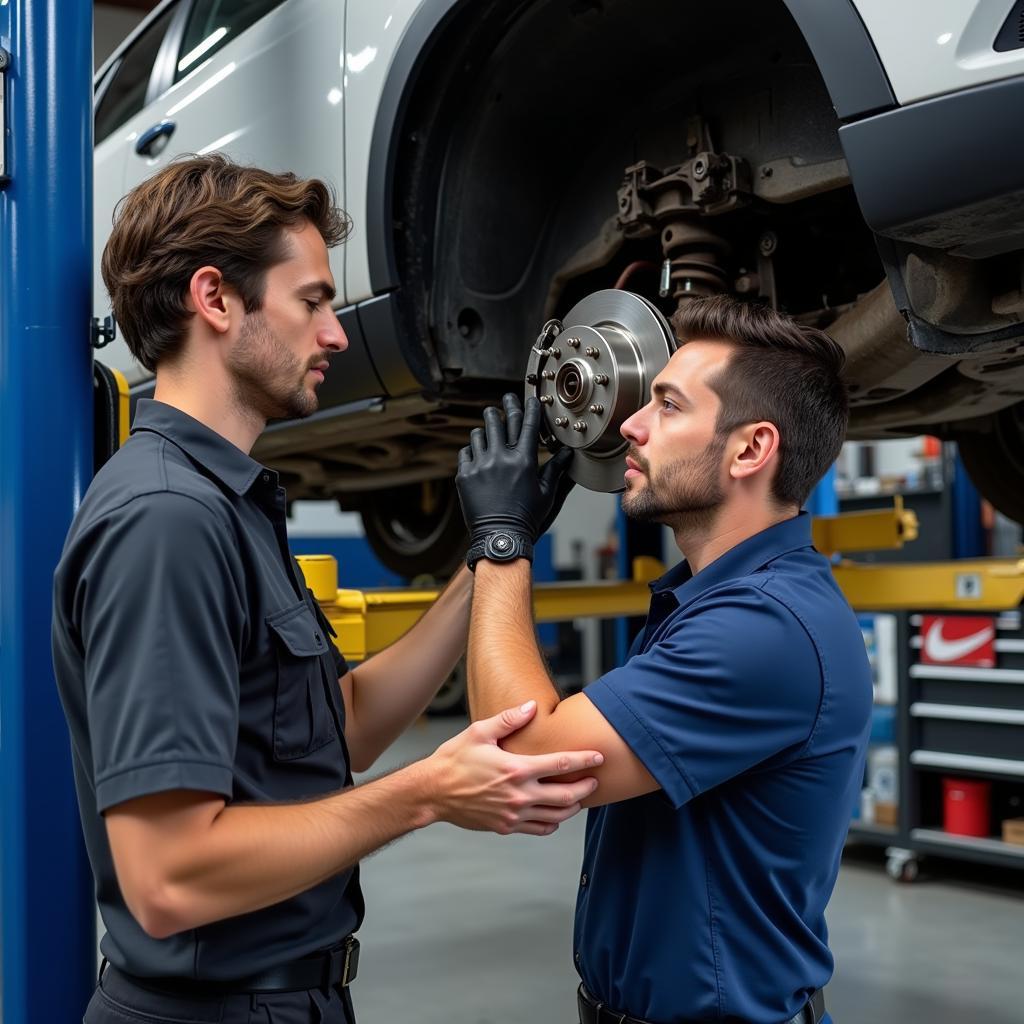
(366,621)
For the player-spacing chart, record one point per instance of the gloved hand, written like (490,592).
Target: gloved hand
(499,485)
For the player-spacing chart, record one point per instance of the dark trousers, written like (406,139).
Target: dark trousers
(120,1000)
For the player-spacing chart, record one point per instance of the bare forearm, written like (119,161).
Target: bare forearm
(184,859)
(252,856)
(505,665)
(391,689)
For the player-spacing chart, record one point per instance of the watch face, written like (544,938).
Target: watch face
(500,545)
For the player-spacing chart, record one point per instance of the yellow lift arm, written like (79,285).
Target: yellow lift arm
(366,621)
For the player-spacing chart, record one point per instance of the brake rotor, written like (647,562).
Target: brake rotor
(591,372)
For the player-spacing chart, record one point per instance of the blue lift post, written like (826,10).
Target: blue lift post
(48,937)
(968,533)
(823,500)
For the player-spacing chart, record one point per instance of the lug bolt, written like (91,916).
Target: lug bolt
(557,353)
(597,409)
(574,343)
(580,426)
(561,421)
(548,374)
(546,399)
(593,352)
(600,378)
(531,378)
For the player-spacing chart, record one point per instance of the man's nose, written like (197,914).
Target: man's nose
(634,429)
(332,336)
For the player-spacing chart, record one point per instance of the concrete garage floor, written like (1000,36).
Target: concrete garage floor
(466,928)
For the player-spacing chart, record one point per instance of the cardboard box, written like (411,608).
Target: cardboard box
(1013,831)
(887,814)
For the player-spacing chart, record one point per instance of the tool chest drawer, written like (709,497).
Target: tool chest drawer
(983,732)
(962,692)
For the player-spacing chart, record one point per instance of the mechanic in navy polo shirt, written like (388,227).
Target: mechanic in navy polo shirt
(734,735)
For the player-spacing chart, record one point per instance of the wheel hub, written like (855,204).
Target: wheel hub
(591,372)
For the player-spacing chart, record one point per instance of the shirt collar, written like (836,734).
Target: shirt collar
(745,558)
(215,453)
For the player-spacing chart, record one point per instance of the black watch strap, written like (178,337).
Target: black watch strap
(500,546)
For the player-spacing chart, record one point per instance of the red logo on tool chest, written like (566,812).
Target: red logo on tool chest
(958,640)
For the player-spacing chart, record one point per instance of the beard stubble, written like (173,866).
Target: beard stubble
(686,495)
(267,377)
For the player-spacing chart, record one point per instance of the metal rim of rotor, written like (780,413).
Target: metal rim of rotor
(594,374)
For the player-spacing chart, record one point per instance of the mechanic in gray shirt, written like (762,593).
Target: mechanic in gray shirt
(213,722)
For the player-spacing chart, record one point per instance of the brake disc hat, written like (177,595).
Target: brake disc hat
(591,371)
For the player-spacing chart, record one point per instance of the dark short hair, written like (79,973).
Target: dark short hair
(782,371)
(198,211)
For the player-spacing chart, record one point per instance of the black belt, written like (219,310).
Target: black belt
(594,1012)
(334,967)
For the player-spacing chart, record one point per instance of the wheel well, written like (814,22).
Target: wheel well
(523,120)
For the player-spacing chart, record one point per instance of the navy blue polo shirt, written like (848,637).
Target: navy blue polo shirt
(748,698)
(190,655)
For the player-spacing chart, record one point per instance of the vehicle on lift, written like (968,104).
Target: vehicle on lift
(853,162)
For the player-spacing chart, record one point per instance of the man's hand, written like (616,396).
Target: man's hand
(498,482)
(481,787)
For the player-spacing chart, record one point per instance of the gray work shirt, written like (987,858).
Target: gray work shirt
(190,655)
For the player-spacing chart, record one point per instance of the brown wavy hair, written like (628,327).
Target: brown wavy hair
(782,371)
(199,211)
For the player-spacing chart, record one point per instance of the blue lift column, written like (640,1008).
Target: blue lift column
(823,500)
(48,937)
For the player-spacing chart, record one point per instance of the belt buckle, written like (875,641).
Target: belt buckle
(605,1015)
(351,964)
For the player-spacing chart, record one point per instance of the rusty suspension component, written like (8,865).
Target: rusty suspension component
(674,203)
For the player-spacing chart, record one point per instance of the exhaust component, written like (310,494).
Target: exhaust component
(591,372)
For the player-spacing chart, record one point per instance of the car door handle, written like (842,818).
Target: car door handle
(149,138)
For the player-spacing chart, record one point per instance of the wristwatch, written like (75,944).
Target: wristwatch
(500,546)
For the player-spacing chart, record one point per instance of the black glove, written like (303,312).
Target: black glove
(506,502)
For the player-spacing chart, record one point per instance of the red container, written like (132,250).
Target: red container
(965,807)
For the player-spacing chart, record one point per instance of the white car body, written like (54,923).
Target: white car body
(931,47)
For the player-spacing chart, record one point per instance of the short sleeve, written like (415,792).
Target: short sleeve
(160,608)
(732,684)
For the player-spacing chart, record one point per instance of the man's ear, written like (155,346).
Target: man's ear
(211,299)
(757,445)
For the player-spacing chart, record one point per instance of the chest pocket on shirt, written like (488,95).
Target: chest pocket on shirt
(302,718)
